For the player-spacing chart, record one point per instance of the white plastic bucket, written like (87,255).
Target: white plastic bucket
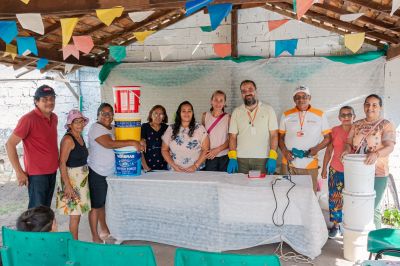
(127,162)
(127,116)
(358,176)
(358,211)
(126,99)
(355,245)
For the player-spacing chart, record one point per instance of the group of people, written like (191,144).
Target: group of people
(246,140)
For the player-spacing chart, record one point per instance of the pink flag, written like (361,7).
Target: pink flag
(302,6)
(83,43)
(222,49)
(273,24)
(70,49)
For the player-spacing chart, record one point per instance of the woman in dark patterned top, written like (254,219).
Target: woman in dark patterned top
(151,133)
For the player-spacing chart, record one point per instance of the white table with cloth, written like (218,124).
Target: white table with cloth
(215,211)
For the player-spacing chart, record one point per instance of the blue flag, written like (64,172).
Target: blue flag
(285,45)
(218,13)
(195,5)
(8,30)
(41,63)
(26,43)
(117,52)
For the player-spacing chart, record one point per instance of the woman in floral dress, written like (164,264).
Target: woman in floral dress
(185,143)
(73,196)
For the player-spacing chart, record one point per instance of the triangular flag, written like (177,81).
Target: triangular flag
(195,5)
(67,27)
(108,15)
(165,51)
(25,1)
(350,17)
(117,52)
(41,63)
(273,24)
(354,41)
(26,45)
(70,49)
(395,6)
(8,30)
(83,43)
(218,13)
(285,45)
(141,36)
(222,49)
(302,6)
(10,50)
(206,29)
(68,68)
(140,16)
(32,22)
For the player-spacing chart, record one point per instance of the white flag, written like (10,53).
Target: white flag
(68,68)
(395,6)
(31,21)
(165,51)
(350,17)
(140,16)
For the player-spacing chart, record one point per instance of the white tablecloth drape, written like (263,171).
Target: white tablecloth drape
(214,211)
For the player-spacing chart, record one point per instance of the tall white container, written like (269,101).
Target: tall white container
(359,178)
(358,211)
(355,245)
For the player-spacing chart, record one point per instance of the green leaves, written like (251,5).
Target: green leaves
(391,217)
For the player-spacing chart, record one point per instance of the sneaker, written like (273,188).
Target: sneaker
(334,232)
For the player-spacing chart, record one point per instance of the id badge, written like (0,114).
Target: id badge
(253,131)
(300,134)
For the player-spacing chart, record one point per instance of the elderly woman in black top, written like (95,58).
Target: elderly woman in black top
(73,196)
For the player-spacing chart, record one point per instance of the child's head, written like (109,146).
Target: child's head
(38,219)
(218,100)
(347,115)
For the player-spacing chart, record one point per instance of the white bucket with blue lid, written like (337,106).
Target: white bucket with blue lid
(127,162)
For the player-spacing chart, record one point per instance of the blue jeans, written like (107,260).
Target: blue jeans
(41,189)
(380,187)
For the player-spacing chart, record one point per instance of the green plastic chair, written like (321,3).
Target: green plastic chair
(34,248)
(89,254)
(186,257)
(384,241)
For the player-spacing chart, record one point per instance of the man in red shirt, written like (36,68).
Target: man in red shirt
(38,132)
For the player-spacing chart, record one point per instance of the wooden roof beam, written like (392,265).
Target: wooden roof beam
(375,6)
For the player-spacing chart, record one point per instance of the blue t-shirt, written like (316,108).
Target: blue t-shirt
(153,139)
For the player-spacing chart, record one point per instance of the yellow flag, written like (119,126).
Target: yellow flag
(10,50)
(142,35)
(67,27)
(108,15)
(354,41)
(25,1)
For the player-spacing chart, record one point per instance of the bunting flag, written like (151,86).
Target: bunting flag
(8,30)
(395,6)
(165,51)
(117,52)
(108,15)
(285,45)
(41,63)
(26,45)
(142,35)
(70,49)
(68,68)
(354,41)
(25,1)
(302,6)
(273,24)
(350,17)
(140,16)
(222,49)
(83,43)
(10,50)
(32,22)
(67,27)
(206,29)
(218,13)
(195,5)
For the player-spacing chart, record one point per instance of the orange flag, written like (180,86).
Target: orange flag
(222,49)
(302,6)
(273,24)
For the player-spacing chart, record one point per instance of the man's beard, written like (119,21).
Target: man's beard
(250,101)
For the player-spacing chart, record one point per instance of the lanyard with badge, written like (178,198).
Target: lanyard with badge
(302,118)
(251,122)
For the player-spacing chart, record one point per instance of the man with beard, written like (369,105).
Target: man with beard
(253,134)
(38,132)
(303,132)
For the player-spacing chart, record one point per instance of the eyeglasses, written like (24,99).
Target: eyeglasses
(247,91)
(158,115)
(78,121)
(344,115)
(298,98)
(105,114)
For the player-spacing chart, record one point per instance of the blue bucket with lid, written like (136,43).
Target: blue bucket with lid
(127,162)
